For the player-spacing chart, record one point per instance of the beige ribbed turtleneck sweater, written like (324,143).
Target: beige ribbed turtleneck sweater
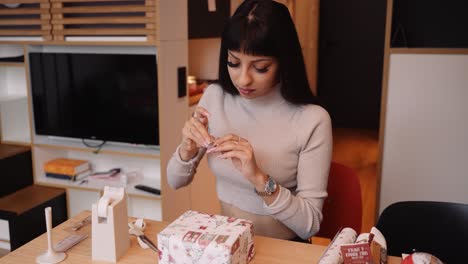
(293,144)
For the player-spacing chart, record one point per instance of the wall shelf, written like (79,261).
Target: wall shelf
(77,145)
(12,61)
(94,185)
(11,97)
(20,40)
(139,170)
(11,64)
(19,141)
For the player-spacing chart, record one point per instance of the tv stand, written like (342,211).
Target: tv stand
(140,164)
(109,147)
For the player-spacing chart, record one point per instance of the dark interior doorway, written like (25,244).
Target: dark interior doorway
(351,53)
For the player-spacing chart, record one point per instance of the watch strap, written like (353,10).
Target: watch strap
(266,192)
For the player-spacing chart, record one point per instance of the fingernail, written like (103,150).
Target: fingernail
(211,150)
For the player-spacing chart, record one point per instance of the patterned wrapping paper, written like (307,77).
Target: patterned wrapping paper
(333,253)
(203,238)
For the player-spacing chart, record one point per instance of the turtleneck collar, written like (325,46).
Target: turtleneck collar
(271,98)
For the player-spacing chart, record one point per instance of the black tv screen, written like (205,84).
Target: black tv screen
(108,97)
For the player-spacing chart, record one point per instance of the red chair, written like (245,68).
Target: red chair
(343,206)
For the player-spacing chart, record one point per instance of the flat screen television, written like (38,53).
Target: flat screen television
(107,97)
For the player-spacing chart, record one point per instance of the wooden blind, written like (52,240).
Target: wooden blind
(25,18)
(104,18)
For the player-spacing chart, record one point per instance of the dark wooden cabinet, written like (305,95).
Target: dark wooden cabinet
(15,168)
(24,211)
(22,204)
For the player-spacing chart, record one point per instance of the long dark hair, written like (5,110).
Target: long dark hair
(265,28)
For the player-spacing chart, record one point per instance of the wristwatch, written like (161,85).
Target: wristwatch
(270,187)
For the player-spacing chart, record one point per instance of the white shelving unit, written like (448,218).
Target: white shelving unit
(143,169)
(76,144)
(169,42)
(4,235)
(14,110)
(139,164)
(137,169)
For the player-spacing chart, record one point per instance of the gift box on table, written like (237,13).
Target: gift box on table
(203,238)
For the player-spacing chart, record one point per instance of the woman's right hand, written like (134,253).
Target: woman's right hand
(195,134)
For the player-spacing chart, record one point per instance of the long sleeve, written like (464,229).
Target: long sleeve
(292,143)
(180,173)
(302,212)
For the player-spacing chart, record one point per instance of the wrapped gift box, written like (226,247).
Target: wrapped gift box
(202,238)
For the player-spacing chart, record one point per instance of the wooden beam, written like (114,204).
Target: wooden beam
(20,11)
(23,1)
(104,32)
(102,20)
(100,9)
(13,22)
(84,1)
(20,32)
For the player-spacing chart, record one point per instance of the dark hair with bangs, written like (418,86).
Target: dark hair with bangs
(265,28)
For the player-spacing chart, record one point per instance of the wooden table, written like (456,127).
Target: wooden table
(268,250)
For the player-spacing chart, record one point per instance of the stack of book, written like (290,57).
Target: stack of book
(67,169)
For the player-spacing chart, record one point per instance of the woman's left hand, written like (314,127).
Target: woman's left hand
(241,153)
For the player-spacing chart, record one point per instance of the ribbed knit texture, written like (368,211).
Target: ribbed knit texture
(293,144)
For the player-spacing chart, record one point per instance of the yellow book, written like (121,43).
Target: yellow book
(66,166)
(76,177)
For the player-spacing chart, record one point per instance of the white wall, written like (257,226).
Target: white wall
(7,51)
(426,129)
(12,81)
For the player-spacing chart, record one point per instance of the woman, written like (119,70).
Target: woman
(267,142)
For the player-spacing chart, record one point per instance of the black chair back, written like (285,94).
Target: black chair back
(438,228)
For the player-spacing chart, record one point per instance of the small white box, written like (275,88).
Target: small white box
(202,238)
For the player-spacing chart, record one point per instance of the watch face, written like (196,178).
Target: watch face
(271,185)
